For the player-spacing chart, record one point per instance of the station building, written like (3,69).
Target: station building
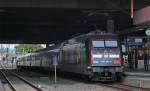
(135,42)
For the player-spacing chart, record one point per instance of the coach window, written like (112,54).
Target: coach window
(38,58)
(64,55)
(43,57)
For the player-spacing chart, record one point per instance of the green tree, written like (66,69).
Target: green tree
(26,48)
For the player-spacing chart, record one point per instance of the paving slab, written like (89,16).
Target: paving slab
(1,86)
(137,79)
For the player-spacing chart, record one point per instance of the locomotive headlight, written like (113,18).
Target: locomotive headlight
(97,56)
(117,62)
(88,67)
(113,56)
(95,61)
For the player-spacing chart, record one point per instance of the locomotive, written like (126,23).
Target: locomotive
(95,55)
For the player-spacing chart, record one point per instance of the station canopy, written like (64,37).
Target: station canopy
(53,21)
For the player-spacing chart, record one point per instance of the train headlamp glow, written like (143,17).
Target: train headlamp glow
(114,56)
(117,62)
(97,56)
(88,67)
(95,61)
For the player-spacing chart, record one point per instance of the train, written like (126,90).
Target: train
(95,55)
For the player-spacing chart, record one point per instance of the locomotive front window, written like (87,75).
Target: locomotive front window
(111,43)
(98,43)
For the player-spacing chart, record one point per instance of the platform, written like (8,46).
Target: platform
(137,78)
(138,73)
(1,86)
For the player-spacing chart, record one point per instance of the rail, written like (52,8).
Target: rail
(26,81)
(9,83)
(19,77)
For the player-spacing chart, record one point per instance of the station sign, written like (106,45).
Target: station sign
(134,41)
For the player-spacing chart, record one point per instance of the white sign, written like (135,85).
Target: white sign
(147,32)
(138,40)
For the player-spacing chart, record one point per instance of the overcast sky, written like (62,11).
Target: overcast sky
(13,45)
(8,45)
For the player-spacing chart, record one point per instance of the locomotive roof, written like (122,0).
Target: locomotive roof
(92,34)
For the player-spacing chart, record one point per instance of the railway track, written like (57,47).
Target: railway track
(124,87)
(115,86)
(18,83)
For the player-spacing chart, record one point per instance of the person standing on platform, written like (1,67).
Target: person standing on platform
(145,62)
